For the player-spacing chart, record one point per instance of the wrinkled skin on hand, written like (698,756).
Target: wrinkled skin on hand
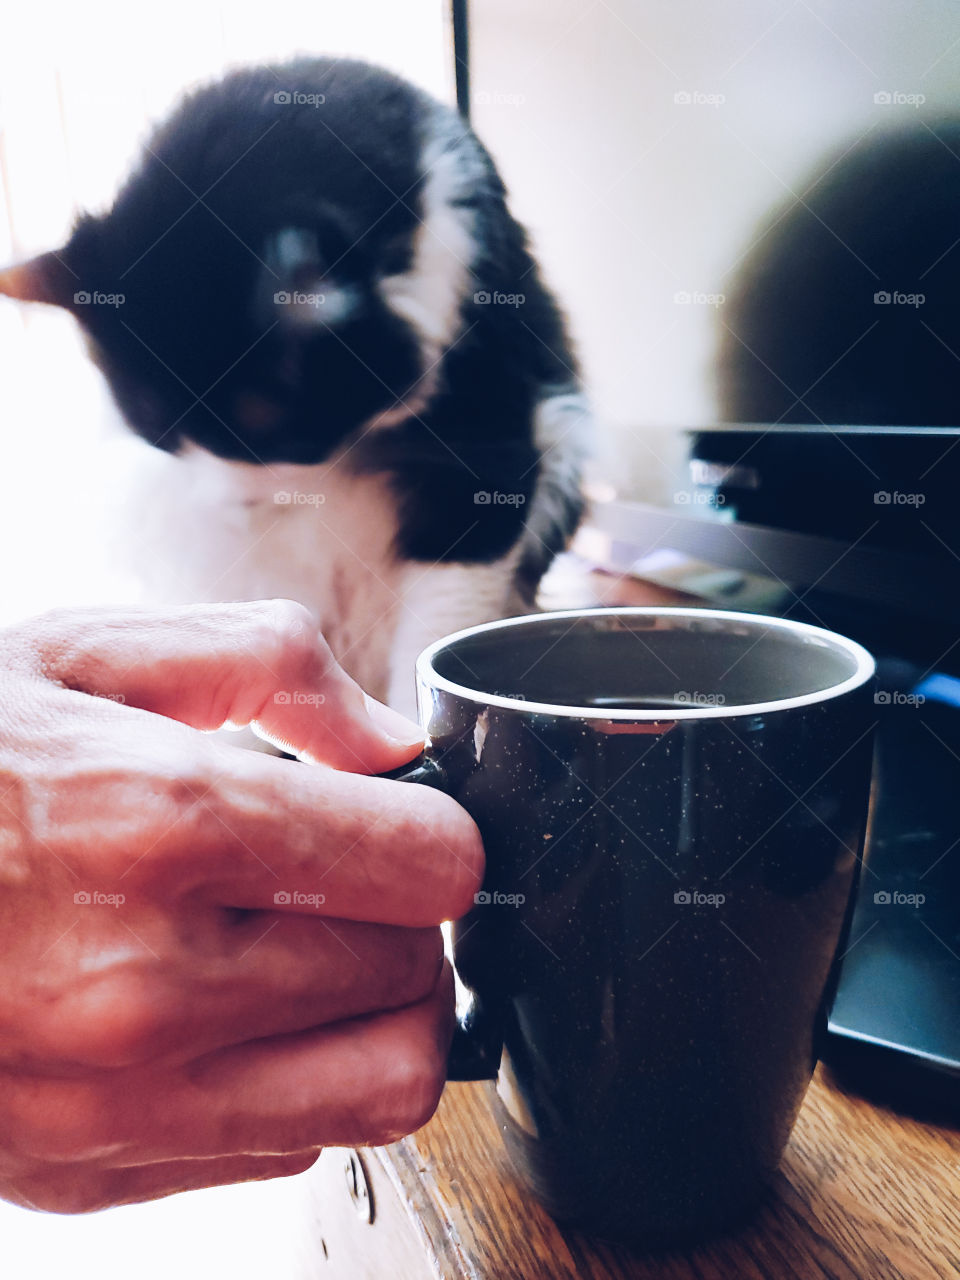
(213,961)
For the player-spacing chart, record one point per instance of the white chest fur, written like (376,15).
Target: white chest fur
(205,529)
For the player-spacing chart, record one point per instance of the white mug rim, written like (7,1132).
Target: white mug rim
(430,678)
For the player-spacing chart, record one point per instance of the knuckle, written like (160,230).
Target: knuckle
(71,1196)
(178,817)
(46,640)
(179,789)
(72,645)
(288,630)
(69,1201)
(412,1084)
(452,843)
(185,791)
(417,963)
(289,1166)
(117,1022)
(133,1034)
(59,1124)
(286,638)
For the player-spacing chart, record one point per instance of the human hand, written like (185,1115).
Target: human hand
(212,961)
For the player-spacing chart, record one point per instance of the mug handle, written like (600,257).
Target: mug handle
(477,1037)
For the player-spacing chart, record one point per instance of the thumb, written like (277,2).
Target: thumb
(263,664)
(349,730)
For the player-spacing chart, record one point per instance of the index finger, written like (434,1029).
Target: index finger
(263,663)
(279,835)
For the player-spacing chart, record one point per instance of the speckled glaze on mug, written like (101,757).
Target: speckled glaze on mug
(673,805)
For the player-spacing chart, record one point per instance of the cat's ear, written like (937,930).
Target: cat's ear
(46,278)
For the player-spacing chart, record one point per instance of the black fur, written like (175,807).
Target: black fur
(290,197)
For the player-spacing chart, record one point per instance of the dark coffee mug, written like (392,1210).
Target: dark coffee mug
(672,803)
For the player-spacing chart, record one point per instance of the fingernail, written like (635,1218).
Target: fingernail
(393,724)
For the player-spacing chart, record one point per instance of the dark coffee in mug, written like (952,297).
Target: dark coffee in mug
(672,803)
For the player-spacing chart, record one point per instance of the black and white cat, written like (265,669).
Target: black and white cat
(311,292)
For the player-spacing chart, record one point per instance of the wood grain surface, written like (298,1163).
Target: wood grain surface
(863,1194)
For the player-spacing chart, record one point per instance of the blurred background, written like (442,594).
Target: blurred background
(650,146)
(656,152)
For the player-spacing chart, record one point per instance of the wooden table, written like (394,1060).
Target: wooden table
(864,1193)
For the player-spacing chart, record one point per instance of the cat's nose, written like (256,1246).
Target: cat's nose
(323,303)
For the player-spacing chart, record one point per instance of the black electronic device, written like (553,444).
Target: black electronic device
(856,529)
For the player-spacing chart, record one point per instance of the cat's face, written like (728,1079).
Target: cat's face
(275,347)
(260,285)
